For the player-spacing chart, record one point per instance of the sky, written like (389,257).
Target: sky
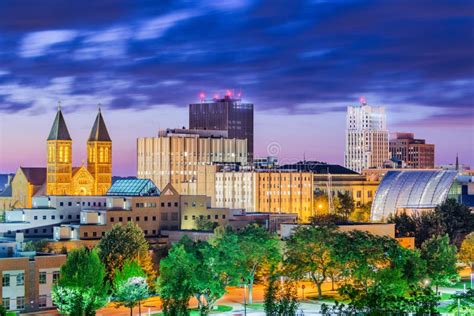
(300,62)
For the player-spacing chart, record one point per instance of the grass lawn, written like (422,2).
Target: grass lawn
(195,312)
(460,284)
(256,306)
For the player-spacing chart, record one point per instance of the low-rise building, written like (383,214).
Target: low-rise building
(27,277)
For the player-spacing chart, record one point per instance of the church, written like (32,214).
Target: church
(60,177)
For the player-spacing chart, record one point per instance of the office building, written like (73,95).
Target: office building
(366,137)
(228,114)
(178,156)
(415,153)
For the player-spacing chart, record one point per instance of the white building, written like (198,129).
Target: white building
(367,144)
(48,211)
(236,190)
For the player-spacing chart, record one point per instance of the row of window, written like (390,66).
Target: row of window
(95,204)
(53,217)
(20,279)
(20,302)
(163,204)
(163,217)
(42,277)
(146,232)
(193,217)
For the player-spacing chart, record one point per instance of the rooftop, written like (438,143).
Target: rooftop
(133,187)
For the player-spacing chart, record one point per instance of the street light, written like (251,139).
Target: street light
(245,296)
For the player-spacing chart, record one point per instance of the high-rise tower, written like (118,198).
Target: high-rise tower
(99,155)
(59,158)
(366,137)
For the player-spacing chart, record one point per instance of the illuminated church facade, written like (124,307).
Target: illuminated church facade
(60,177)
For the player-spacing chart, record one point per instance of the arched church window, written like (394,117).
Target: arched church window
(66,154)
(101,155)
(61,154)
(106,154)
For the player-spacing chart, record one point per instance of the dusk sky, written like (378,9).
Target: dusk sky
(300,62)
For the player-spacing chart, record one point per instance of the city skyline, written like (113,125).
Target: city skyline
(146,64)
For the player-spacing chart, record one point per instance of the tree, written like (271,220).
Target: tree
(280,298)
(308,252)
(38,246)
(3,311)
(440,258)
(216,271)
(130,286)
(330,220)
(346,204)
(405,225)
(466,252)
(122,243)
(81,289)
(204,224)
(257,248)
(457,218)
(464,301)
(177,281)
(379,272)
(362,214)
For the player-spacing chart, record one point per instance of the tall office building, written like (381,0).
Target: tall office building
(366,137)
(187,158)
(416,153)
(228,114)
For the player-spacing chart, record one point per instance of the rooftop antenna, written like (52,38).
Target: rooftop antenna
(98,106)
(59,105)
(457,162)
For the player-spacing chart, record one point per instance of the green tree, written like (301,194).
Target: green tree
(457,218)
(379,272)
(309,253)
(441,260)
(177,281)
(130,286)
(257,249)
(405,225)
(346,204)
(216,271)
(122,243)
(38,246)
(464,301)
(362,214)
(466,252)
(3,311)
(204,224)
(330,220)
(81,289)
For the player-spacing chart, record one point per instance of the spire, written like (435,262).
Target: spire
(99,130)
(59,129)
(457,162)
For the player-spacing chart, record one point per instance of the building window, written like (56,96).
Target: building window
(35,218)
(162,204)
(176,204)
(137,219)
(216,216)
(359,194)
(86,234)
(223,216)
(174,216)
(146,232)
(169,204)
(164,216)
(112,219)
(6,302)
(69,217)
(53,217)
(20,279)
(129,219)
(44,217)
(69,203)
(94,234)
(146,219)
(42,278)
(185,217)
(20,302)
(120,219)
(208,216)
(61,216)
(42,299)
(61,203)
(154,218)
(369,194)
(6,280)
(55,277)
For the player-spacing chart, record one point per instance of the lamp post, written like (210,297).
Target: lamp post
(302,289)
(245,296)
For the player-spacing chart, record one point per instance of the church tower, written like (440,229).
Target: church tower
(59,158)
(99,156)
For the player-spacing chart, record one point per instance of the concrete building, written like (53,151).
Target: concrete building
(415,153)
(229,114)
(236,190)
(27,277)
(366,137)
(179,157)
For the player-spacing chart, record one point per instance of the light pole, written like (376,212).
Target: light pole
(245,296)
(302,289)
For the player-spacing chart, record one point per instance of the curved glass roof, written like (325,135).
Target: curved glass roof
(411,189)
(133,187)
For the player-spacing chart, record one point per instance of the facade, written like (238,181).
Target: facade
(366,137)
(229,114)
(415,153)
(413,191)
(60,177)
(236,190)
(178,157)
(27,279)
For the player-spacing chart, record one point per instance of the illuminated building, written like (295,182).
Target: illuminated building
(228,114)
(187,159)
(60,177)
(414,152)
(366,137)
